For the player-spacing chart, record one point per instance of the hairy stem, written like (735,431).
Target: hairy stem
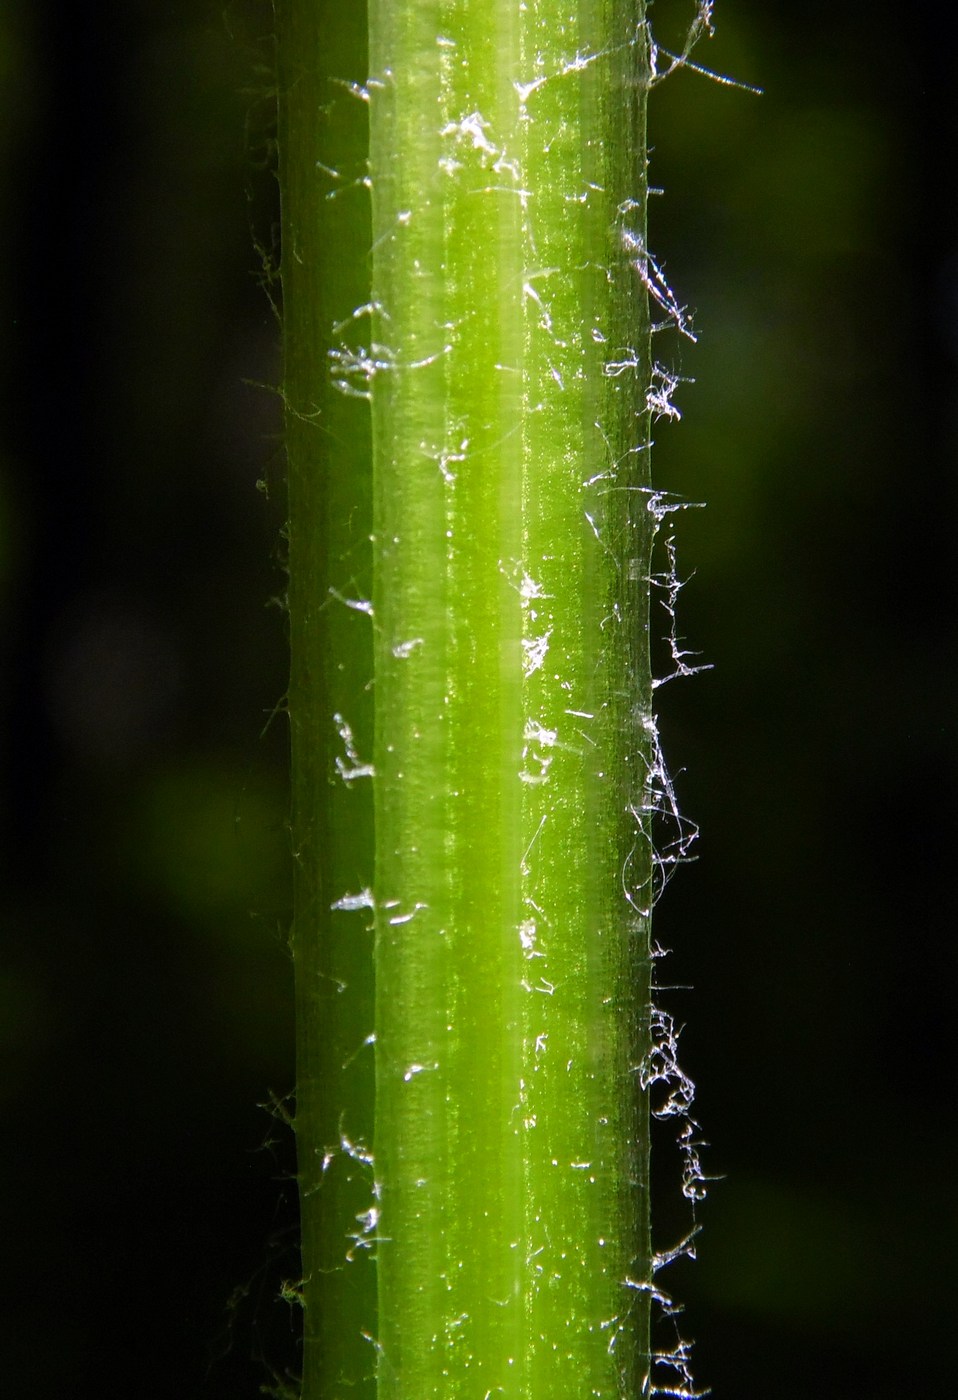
(498,680)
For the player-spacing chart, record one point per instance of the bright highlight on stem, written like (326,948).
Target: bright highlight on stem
(504,347)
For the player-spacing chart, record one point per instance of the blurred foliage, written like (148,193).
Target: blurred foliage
(145,987)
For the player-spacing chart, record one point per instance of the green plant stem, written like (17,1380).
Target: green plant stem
(509,370)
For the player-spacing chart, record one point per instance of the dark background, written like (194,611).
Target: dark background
(148,1220)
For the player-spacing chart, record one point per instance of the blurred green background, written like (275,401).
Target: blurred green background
(145,987)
